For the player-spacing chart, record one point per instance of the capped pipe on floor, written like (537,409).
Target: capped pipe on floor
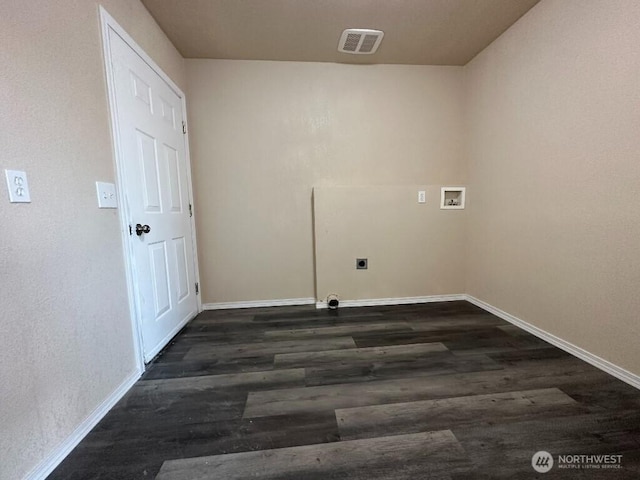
(333,301)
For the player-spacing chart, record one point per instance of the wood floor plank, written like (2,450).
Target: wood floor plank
(436,309)
(459,338)
(308,359)
(331,397)
(281,431)
(273,317)
(514,357)
(432,454)
(510,343)
(249,380)
(607,394)
(341,330)
(149,409)
(323,321)
(211,366)
(461,322)
(209,317)
(513,330)
(411,417)
(268,348)
(497,348)
(318,315)
(437,363)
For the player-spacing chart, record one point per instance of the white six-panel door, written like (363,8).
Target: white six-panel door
(154,172)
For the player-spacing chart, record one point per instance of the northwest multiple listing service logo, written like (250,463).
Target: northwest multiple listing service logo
(543,461)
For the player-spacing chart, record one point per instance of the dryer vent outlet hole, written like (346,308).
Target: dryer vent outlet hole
(362,263)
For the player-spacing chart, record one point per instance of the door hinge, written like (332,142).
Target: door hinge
(197,288)
(190,210)
(184,128)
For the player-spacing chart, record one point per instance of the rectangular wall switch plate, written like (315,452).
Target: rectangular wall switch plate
(18,186)
(106,195)
(422,196)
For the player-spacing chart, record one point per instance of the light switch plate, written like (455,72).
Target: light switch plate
(106,195)
(18,186)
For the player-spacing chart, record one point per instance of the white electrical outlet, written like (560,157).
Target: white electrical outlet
(18,186)
(422,196)
(106,195)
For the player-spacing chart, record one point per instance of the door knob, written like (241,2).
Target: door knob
(140,229)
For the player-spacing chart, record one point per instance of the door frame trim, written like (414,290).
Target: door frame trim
(109,23)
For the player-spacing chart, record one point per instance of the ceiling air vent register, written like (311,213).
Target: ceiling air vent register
(360,41)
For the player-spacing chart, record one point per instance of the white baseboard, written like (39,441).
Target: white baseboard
(374,302)
(604,365)
(285,302)
(44,468)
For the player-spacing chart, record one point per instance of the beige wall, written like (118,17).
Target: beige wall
(554,158)
(66,334)
(412,249)
(263,134)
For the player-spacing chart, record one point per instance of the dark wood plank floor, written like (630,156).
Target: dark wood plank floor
(437,391)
